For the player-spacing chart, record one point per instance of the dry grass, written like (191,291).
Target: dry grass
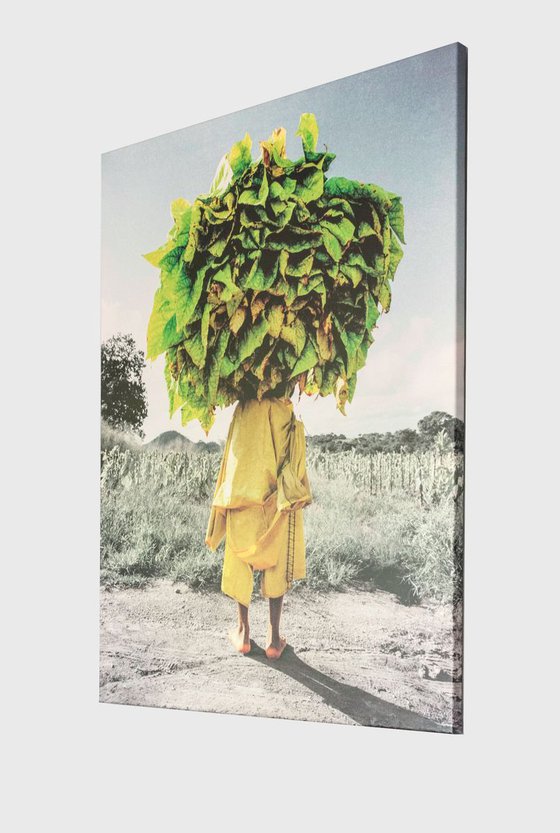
(150,530)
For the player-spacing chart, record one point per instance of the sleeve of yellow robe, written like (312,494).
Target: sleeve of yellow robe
(262,478)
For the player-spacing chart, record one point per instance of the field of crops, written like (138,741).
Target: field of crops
(192,474)
(429,476)
(393,512)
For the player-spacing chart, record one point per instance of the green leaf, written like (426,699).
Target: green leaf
(332,245)
(284,217)
(173,393)
(252,197)
(282,190)
(195,406)
(263,274)
(222,178)
(353,273)
(218,247)
(291,295)
(285,164)
(156,257)
(283,262)
(250,341)
(181,211)
(324,160)
(239,156)
(342,229)
(204,325)
(355,258)
(372,311)
(227,367)
(207,419)
(195,348)
(298,269)
(361,355)
(306,361)
(315,284)
(171,259)
(220,209)
(263,190)
(216,358)
(311,185)
(365,230)
(191,247)
(396,216)
(182,293)
(275,319)
(395,258)
(385,296)
(224,275)
(337,204)
(308,131)
(162,327)
(339,186)
(286,357)
(295,334)
(387,236)
(351,342)
(329,380)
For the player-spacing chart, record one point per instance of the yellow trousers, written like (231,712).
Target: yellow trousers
(238,575)
(258,503)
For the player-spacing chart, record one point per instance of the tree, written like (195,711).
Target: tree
(430,426)
(123,393)
(406,440)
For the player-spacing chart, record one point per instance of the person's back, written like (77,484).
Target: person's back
(261,489)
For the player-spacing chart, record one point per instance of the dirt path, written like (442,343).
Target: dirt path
(355,657)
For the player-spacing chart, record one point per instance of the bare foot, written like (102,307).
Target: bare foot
(275,645)
(239,638)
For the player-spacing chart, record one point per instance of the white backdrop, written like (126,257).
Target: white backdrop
(85,79)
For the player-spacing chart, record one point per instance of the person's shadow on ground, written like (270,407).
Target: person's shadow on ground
(359,705)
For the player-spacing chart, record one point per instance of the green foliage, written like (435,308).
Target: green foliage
(430,427)
(295,267)
(123,392)
(308,131)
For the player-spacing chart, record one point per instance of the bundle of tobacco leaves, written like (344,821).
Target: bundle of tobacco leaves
(273,279)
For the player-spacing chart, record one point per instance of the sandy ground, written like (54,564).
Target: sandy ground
(357,657)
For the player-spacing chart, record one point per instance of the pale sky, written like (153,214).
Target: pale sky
(395,126)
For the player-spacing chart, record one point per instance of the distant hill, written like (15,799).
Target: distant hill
(174,441)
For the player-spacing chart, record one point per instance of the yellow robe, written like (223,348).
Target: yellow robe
(261,489)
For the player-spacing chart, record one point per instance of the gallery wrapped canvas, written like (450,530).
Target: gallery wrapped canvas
(282,406)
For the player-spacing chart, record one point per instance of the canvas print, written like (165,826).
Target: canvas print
(282,406)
